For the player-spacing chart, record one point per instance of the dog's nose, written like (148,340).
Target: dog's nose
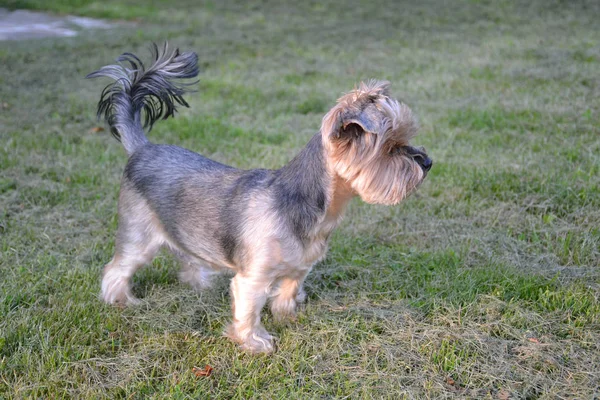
(425,163)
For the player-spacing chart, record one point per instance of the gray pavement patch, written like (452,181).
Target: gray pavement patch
(22,24)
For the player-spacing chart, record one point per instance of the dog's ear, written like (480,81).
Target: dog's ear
(352,120)
(357,112)
(356,122)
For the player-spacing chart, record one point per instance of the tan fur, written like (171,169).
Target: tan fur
(364,161)
(359,136)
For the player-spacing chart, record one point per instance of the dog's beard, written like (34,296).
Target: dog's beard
(378,178)
(386,182)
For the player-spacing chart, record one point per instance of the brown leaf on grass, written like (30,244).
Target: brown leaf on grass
(533,340)
(453,386)
(202,372)
(96,129)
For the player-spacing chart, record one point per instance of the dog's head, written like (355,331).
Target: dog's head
(367,138)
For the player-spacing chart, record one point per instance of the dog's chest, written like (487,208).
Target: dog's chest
(315,247)
(314,251)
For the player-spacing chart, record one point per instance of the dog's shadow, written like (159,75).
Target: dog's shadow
(162,272)
(158,287)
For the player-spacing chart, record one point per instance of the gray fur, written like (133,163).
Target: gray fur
(186,191)
(300,189)
(268,226)
(137,91)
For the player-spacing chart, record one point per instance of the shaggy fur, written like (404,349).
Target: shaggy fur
(267,226)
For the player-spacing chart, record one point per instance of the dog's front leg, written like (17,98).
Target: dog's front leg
(287,295)
(249,295)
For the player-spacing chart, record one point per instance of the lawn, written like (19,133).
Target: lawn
(484,284)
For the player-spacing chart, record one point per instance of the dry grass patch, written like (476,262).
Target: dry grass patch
(485,284)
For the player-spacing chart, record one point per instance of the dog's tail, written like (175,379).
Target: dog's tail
(151,92)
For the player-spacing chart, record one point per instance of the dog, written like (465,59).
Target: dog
(268,227)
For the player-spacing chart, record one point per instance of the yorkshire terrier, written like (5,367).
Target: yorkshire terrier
(269,227)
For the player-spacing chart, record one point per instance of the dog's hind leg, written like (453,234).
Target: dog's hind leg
(194,272)
(139,237)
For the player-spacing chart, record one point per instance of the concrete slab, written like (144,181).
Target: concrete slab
(23,24)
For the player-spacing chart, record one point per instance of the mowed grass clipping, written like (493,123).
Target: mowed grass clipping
(484,284)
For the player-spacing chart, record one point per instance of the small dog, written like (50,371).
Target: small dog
(267,226)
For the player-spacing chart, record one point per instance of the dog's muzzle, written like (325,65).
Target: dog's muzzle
(425,163)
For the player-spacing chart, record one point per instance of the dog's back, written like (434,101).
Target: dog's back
(268,226)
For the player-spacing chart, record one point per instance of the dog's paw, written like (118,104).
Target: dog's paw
(116,290)
(257,341)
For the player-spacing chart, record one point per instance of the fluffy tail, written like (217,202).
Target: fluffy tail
(151,92)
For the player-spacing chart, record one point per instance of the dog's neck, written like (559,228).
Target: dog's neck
(306,176)
(341,194)
(310,177)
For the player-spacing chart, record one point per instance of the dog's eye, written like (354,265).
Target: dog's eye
(395,150)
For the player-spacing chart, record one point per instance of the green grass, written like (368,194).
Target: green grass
(484,284)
